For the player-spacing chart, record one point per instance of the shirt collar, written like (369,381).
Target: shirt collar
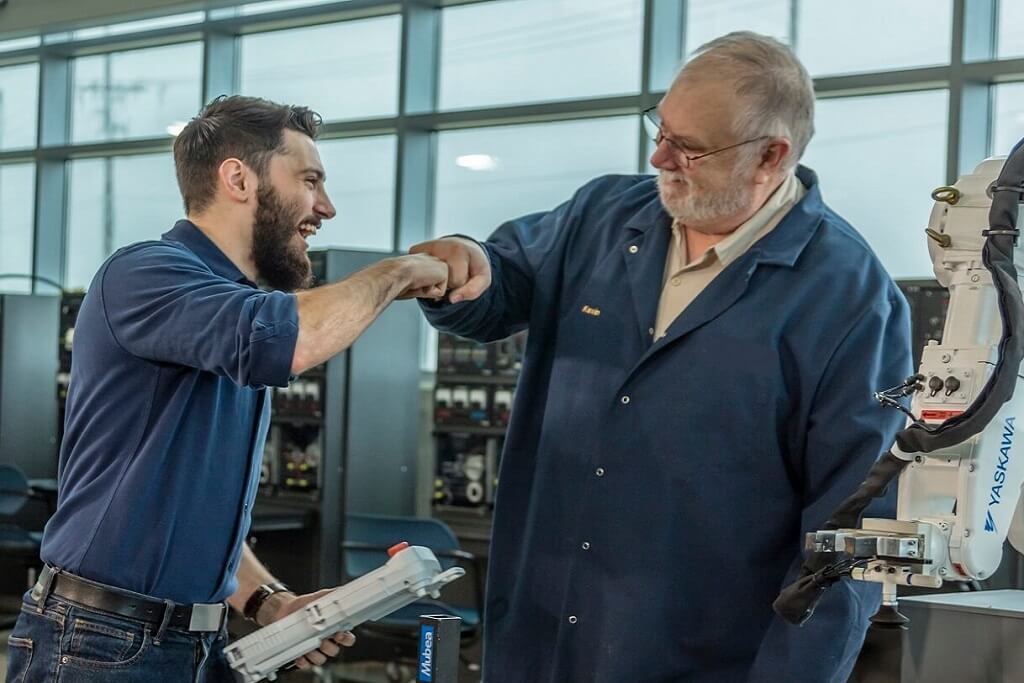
(788,193)
(195,240)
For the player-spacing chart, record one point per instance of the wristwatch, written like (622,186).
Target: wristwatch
(259,596)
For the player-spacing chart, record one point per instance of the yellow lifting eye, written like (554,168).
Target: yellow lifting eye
(946,193)
(942,238)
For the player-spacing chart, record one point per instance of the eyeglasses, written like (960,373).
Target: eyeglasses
(652,124)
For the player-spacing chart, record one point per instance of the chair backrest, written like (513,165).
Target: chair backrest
(14,489)
(385,531)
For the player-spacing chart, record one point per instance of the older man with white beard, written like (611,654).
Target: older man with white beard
(696,395)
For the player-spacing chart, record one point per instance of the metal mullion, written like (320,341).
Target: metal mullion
(531,113)
(417,100)
(16,57)
(333,130)
(18,156)
(445,4)
(106,148)
(663,41)
(881,82)
(970,119)
(54,124)
(220,64)
(1003,69)
(794,23)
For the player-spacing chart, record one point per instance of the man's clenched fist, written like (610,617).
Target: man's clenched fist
(469,270)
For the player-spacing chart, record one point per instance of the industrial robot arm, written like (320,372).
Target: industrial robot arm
(959,460)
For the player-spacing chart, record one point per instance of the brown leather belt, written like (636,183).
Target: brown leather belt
(198,617)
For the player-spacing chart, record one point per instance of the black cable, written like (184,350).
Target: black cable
(997,255)
(892,403)
(37,278)
(889,398)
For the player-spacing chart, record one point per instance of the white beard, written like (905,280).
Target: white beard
(706,206)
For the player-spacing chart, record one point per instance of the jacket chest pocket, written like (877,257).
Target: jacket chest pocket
(598,326)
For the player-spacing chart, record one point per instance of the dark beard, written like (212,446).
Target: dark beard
(278,263)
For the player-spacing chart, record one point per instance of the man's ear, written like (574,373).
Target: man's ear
(236,180)
(773,158)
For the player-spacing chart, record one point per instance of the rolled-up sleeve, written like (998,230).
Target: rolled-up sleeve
(163,304)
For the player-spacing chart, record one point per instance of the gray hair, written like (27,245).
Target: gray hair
(776,92)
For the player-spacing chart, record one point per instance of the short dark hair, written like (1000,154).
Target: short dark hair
(250,129)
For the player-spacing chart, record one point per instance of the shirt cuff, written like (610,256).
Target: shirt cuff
(275,330)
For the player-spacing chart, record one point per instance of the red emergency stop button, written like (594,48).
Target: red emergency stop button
(397,548)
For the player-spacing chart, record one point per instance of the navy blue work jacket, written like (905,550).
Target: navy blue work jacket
(167,416)
(653,497)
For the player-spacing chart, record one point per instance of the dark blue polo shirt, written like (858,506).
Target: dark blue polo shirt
(167,416)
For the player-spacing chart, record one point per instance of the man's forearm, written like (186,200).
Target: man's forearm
(332,317)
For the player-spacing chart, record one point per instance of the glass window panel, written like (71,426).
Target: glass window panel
(488,175)
(19,104)
(533,50)
(878,159)
(17,193)
(351,73)
(113,202)
(139,93)
(19,43)
(138,26)
(873,35)
(361,183)
(707,19)
(1009,117)
(1010,37)
(280,5)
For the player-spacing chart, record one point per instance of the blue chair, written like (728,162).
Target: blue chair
(395,638)
(16,543)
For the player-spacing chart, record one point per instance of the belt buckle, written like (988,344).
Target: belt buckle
(206,617)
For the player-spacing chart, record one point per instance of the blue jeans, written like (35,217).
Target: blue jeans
(71,644)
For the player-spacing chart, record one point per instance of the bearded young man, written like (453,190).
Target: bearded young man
(696,395)
(168,408)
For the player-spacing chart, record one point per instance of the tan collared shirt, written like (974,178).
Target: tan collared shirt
(683,281)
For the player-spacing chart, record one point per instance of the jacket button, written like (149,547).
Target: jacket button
(650,330)
(676,281)
(586,545)
(625,400)
(633,249)
(599,471)
(573,619)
